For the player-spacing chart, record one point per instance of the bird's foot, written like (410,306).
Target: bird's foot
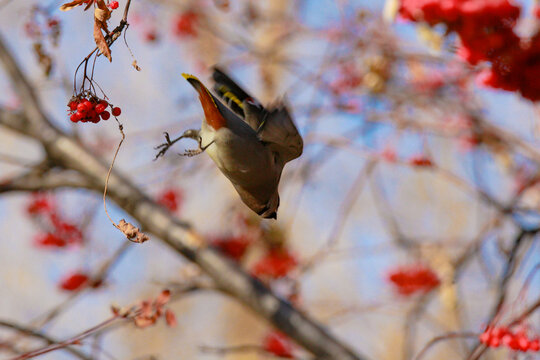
(192,134)
(191,153)
(197,151)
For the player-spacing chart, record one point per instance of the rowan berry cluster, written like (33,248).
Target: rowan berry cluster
(413,279)
(486,30)
(58,232)
(275,264)
(495,336)
(90,109)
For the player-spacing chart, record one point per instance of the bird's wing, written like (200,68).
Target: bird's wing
(278,130)
(238,100)
(274,126)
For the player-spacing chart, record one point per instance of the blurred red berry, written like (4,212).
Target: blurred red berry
(233,247)
(73,282)
(185,24)
(170,198)
(421,161)
(50,240)
(278,344)
(113,5)
(150,36)
(413,279)
(105,115)
(40,204)
(116,111)
(535,345)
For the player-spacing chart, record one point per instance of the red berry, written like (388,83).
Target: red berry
(88,105)
(485,337)
(278,344)
(116,111)
(105,115)
(81,108)
(500,331)
(104,103)
(73,105)
(74,281)
(523,343)
(100,108)
(494,342)
(113,5)
(535,345)
(75,117)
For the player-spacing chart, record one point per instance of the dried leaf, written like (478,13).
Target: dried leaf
(135,65)
(132,233)
(71,5)
(100,40)
(102,12)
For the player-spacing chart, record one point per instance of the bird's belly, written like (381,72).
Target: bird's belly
(244,162)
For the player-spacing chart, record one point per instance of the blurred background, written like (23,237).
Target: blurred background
(412,214)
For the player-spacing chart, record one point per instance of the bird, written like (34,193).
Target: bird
(249,143)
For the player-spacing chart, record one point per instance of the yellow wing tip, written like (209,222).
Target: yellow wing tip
(189,76)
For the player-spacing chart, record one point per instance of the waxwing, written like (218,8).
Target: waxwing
(249,143)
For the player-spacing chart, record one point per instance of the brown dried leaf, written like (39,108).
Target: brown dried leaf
(101,15)
(132,233)
(71,5)
(135,65)
(102,12)
(100,41)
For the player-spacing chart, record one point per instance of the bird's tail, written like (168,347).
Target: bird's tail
(213,116)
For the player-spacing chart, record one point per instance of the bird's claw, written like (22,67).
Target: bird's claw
(190,153)
(163,148)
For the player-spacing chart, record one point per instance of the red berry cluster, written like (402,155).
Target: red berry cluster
(185,24)
(58,232)
(234,247)
(278,344)
(276,263)
(90,109)
(486,31)
(171,198)
(113,5)
(495,336)
(413,279)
